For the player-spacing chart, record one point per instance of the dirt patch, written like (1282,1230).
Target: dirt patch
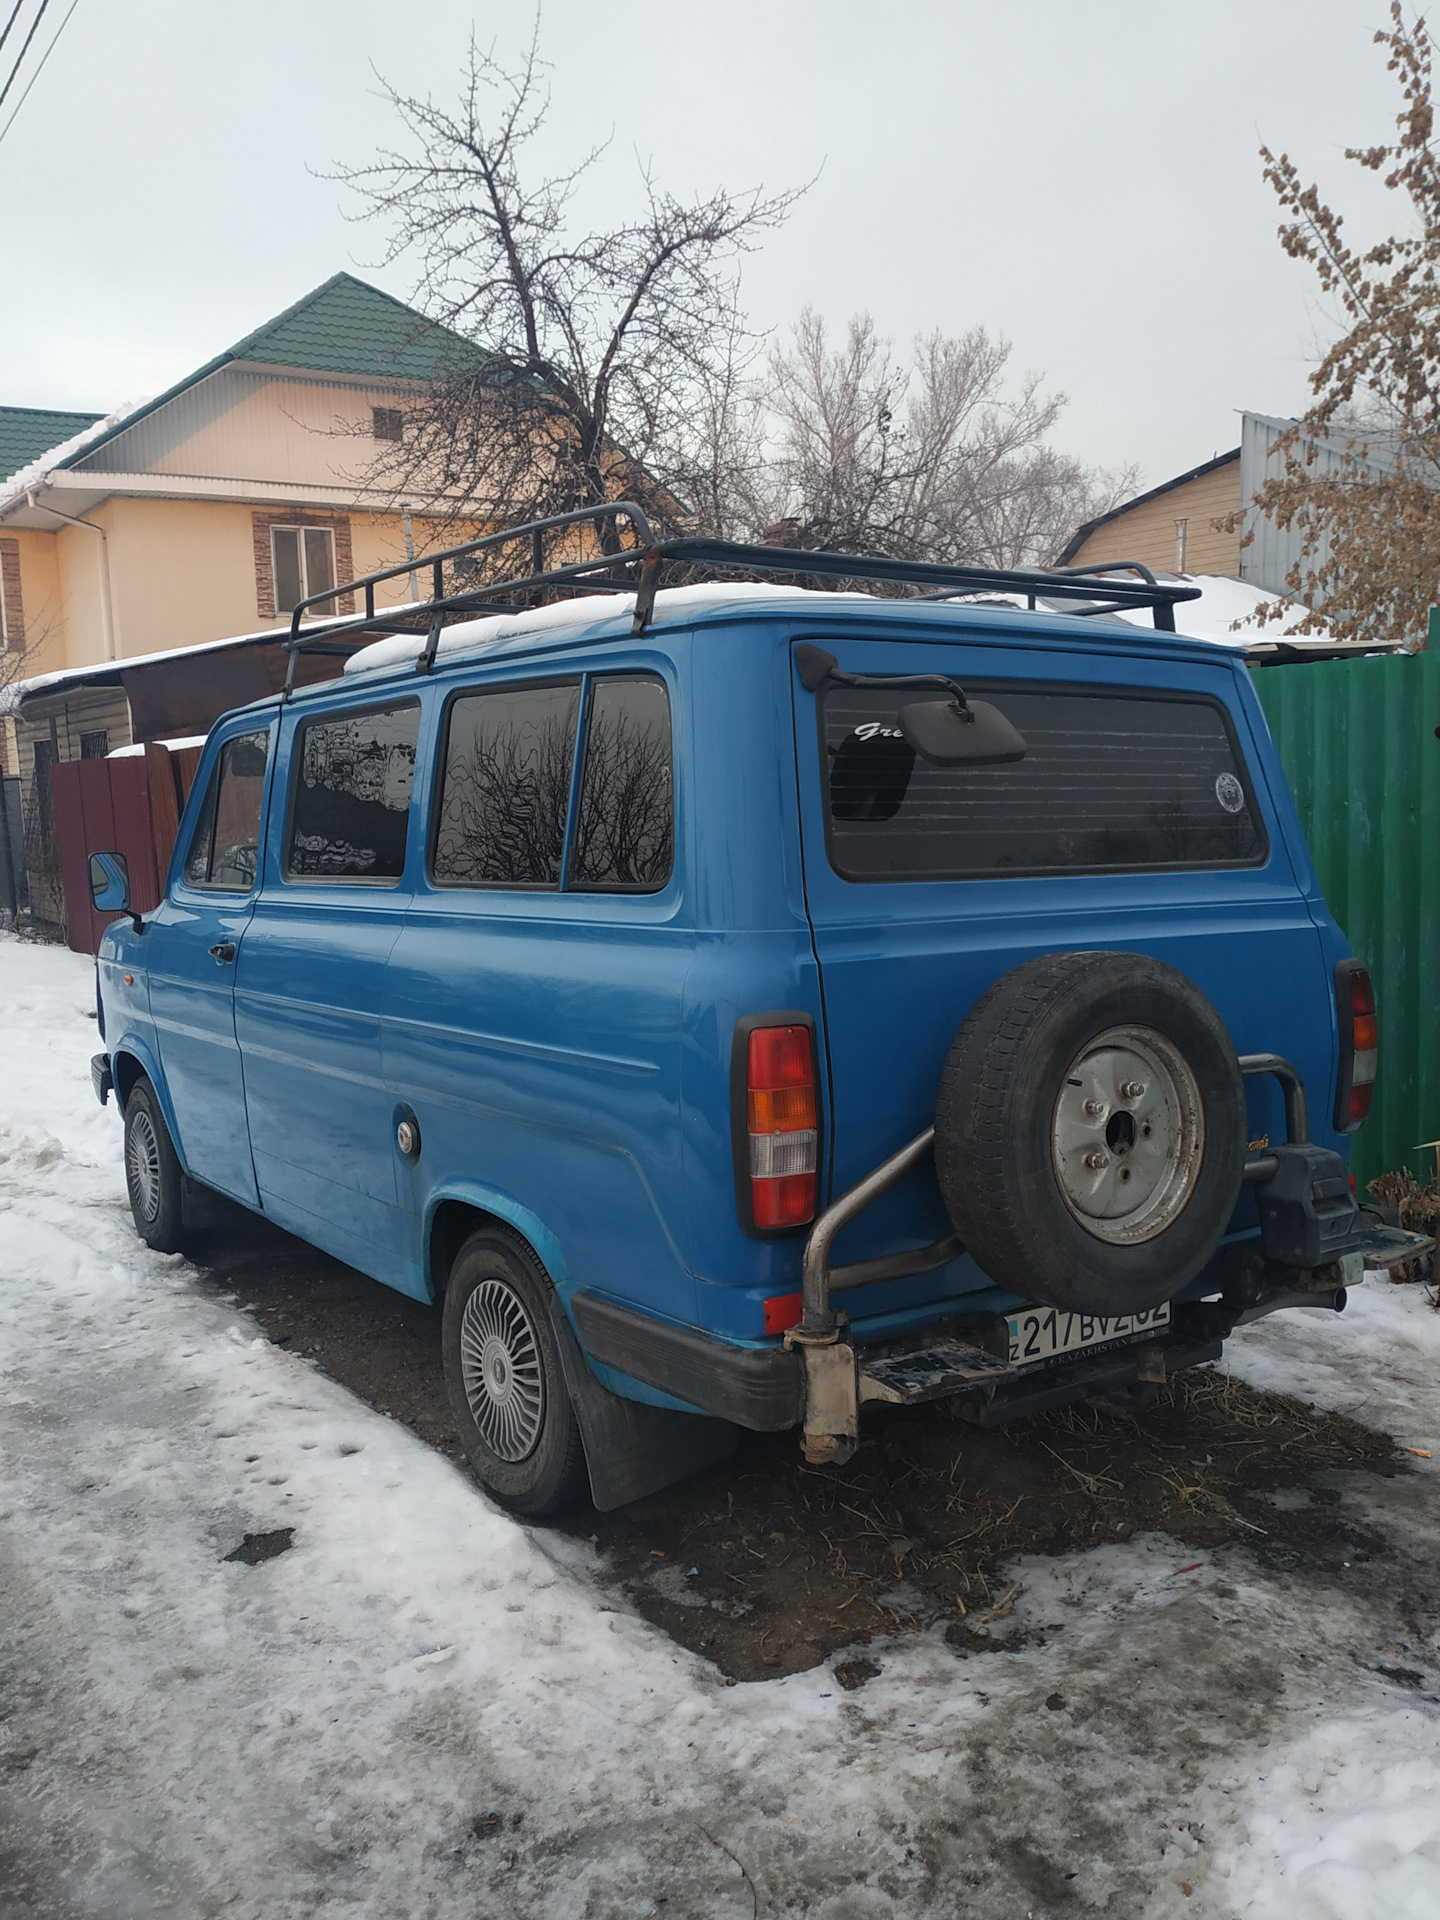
(256,1548)
(767,1566)
(781,1565)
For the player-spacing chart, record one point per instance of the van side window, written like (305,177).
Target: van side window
(351,795)
(224,848)
(625,830)
(1113,779)
(505,788)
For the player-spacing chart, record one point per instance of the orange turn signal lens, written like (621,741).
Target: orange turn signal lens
(781,1109)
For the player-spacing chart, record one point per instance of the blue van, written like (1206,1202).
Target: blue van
(737,1003)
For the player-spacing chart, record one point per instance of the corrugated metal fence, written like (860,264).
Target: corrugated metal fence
(1357,739)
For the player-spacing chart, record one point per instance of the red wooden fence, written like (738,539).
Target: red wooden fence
(130,804)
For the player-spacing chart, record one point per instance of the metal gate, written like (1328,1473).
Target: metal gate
(1358,741)
(129,803)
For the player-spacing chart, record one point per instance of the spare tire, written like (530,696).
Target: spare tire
(1090,1131)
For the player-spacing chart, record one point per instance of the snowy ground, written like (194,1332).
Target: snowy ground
(426,1709)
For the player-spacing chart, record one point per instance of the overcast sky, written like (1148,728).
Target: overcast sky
(1080,177)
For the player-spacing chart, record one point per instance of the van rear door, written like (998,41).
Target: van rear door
(1139,820)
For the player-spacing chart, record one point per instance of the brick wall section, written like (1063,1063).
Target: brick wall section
(14,624)
(262,522)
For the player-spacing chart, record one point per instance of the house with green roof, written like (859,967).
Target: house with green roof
(212,509)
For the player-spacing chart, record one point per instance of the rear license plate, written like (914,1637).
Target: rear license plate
(1038,1334)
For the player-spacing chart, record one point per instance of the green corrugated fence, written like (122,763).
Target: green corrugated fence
(1358,743)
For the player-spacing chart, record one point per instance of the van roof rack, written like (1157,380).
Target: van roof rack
(636,569)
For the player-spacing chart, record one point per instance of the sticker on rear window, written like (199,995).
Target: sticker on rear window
(1229,792)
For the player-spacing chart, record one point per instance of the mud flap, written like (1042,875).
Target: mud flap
(632,1449)
(202,1210)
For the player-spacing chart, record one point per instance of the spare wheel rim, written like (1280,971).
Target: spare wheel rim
(501,1370)
(1128,1135)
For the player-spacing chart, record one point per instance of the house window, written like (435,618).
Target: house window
(387,423)
(303,562)
(94,746)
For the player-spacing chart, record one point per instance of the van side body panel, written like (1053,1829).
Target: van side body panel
(535,1034)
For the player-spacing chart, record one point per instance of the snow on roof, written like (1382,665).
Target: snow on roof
(188,740)
(19,484)
(18,690)
(608,617)
(1208,619)
(1223,602)
(27,432)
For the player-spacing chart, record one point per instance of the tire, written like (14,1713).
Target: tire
(504,1377)
(1090,1132)
(153,1177)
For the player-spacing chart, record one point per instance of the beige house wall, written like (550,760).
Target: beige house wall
(79,557)
(41,598)
(1147,532)
(181,572)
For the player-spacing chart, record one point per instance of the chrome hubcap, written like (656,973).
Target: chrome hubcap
(1128,1135)
(500,1368)
(142,1164)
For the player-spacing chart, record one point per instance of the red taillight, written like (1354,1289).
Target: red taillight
(780,1124)
(1359,1045)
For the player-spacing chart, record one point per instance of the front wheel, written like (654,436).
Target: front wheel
(153,1178)
(502,1370)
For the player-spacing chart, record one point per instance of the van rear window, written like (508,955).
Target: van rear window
(1112,780)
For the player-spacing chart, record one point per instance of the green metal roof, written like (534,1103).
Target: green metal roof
(27,432)
(345,326)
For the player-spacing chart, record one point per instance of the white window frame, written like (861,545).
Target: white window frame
(299,529)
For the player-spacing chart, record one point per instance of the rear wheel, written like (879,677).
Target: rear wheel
(506,1385)
(153,1177)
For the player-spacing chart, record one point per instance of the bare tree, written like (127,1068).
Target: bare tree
(592,349)
(944,459)
(1360,472)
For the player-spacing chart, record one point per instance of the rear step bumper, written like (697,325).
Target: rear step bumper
(763,1388)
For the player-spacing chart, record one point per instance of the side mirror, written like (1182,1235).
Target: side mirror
(110,885)
(949,735)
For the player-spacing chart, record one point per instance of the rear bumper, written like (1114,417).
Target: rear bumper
(762,1388)
(755,1387)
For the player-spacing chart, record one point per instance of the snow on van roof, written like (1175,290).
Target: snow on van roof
(606,616)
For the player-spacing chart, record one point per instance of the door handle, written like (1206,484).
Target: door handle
(223,952)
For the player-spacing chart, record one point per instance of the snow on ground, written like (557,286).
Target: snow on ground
(425,1708)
